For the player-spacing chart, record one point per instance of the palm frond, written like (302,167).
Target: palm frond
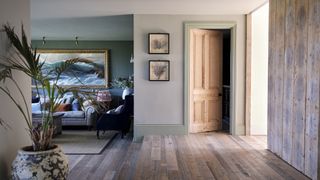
(28,54)
(23,98)
(5,73)
(4,124)
(17,105)
(27,60)
(13,37)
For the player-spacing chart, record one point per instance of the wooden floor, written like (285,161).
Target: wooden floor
(197,156)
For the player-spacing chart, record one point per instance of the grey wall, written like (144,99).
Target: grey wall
(14,12)
(120,53)
(159,105)
(92,28)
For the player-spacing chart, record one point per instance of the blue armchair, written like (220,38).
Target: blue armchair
(117,121)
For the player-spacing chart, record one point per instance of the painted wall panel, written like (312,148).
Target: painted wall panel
(14,12)
(161,103)
(259,70)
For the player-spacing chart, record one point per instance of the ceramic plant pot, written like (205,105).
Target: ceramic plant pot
(50,164)
(126,91)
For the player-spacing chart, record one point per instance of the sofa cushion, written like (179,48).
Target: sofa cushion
(73,114)
(64,107)
(87,103)
(75,105)
(37,113)
(36,107)
(116,111)
(67,99)
(119,109)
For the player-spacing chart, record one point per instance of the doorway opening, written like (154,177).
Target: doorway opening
(230,100)
(209,83)
(226,80)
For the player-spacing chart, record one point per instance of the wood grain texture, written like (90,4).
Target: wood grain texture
(294,83)
(288,80)
(271,76)
(313,86)
(279,71)
(299,85)
(197,156)
(206,80)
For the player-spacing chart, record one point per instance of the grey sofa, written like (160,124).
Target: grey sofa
(81,117)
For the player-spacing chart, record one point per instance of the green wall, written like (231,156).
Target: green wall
(120,53)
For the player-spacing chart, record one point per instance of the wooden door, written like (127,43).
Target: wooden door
(205,80)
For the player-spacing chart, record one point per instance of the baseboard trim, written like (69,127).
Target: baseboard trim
(140,130)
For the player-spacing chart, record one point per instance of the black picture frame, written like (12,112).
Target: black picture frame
(158,43)
(159,70)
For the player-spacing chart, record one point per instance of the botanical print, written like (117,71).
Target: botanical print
(159,70)
(78,74)
(158,43)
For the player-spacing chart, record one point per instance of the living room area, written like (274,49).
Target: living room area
(106,41)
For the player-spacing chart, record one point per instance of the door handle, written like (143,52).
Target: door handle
(220,94)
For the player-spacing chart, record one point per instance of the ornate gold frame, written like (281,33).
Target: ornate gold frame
(106,68)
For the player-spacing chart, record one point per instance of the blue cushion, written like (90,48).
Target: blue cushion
(116,111)
(75,106)
(36,107)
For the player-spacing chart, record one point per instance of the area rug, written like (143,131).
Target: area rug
(83,142)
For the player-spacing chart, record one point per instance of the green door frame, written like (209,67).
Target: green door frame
(209,25)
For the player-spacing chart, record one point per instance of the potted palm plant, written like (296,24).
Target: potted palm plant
(42,159)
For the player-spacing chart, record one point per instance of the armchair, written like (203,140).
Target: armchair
(120,121)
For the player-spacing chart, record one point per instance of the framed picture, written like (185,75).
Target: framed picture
(79,74)
(159,70)
(158,43)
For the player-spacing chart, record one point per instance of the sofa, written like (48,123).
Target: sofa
(72,114)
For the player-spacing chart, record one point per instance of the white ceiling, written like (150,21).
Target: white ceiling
(87,18)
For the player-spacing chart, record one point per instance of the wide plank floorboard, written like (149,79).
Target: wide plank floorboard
(211,155)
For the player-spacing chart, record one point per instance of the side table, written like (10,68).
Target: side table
(57,122)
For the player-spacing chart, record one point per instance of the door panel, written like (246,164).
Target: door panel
(205,80)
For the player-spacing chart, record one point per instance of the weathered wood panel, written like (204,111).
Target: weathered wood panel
(294,83)
(279,71)
(299,85)
(288,80)
(271,69)
(313,86)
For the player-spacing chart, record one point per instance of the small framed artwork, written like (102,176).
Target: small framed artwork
(158,43)
(159,70)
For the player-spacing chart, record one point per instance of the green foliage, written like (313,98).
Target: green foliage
(22,58)
(122,83)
